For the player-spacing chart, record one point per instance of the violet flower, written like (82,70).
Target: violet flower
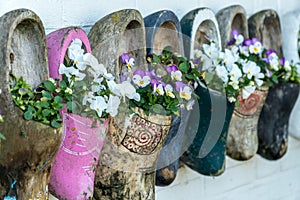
(235,33)
(179,85)
(268,73)
(155,83)
(231,42)
(255,40)
(140,72)
(282,61)
(269,51)
(171,68)
(247,42)
(125,57)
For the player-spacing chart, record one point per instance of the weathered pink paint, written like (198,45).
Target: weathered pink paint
(72,175)
(58,43)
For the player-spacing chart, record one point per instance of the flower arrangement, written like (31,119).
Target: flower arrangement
(84,89)
(274,68)
(164,90)
(243,67)
(95,94)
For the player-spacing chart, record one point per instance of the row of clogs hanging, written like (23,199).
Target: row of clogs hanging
(114,34)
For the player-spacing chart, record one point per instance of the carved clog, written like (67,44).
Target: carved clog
(30,147)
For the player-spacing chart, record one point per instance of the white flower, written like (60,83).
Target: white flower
(197,53)
(231,99)
(230,57)
(287,66)
(88,97)
(274,64)
(247,91)
(141,82)
(98,69)
(244,50)
(130,63)
(258,78)
(256,48)
(190,104)
(251,69)
(71,72)
(158,89)
(98,104)
(96,88)
(176,75)
(185,93)
(113,105)
(169,91)
(222,73)
(234,84)
(50,79)
(235,73)
(211,50)
(75,53)
(69,90)
(125,89)
(239,39)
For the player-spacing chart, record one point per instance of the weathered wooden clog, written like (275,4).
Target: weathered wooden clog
(163,30)
(207,153)
(274,117)
(30,147)
(242,142)
(201,27)
(119,32)
(126,167)
(290,51)
(232,18)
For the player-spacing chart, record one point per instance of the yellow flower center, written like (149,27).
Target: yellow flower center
(185,95)
(141,82)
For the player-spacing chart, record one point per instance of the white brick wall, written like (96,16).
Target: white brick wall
(254,179)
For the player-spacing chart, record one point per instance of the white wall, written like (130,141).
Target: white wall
(253,179)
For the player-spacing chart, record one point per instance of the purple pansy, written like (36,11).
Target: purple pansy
(235,33)
(171,68)
(155,82)
(179,85)
(125,57)
(254,40)
(140,72)
(248,42)
(268,73)
(231,42)
(282,61)
(269,51)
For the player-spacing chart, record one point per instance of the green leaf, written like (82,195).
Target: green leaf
(184,67)
(46,94)
(58,99)
(55,124)
(46,112)
(49,86)
(28,115)
(2,137)
(71,105)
